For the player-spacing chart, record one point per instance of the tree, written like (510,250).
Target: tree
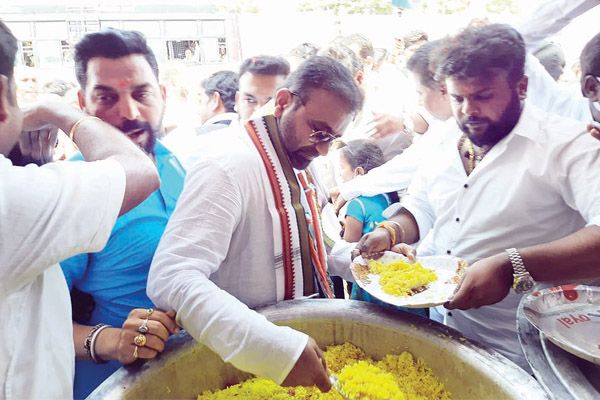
(238,6)
(452,6)
(501,6)
(340,7)
(443,6)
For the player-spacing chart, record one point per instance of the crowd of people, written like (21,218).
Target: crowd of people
(145,231)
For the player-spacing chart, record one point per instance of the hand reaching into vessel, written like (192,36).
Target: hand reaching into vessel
(310,369)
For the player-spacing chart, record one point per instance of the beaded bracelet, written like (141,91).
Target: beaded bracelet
(89,344)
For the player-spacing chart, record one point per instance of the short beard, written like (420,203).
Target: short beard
(151,143)
(287,133)
(498,130)
(132,125)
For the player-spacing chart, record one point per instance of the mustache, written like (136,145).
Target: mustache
(134,125)
(475,120)
(308,152)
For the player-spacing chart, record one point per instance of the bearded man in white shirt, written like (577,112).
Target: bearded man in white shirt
(50,213)
(246,230)
(509,177)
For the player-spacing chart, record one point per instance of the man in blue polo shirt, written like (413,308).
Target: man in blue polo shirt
(118,75)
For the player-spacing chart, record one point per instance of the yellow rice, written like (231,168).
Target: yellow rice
(400,278)
(397,377)
(365,380)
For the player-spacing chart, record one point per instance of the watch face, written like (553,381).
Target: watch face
(524,285)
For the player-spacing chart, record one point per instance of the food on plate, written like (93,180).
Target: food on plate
(392,279)
(402,278)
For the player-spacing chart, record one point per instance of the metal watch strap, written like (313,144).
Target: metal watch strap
(517,262)
(522,279)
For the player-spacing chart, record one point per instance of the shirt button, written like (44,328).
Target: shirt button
(466,186)
(448,252)
(457,219)
(449,314)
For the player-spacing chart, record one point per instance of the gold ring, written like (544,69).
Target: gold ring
(149,312)
(144,327)
(140,340)
(135,353)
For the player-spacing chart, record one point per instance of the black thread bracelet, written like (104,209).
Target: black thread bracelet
(89,343)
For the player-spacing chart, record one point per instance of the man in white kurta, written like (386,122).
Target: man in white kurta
(222,251)
(224,225)
(48,214)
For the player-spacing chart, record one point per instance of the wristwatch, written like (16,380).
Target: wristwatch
(522,280)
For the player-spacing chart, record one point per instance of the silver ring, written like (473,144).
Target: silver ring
(144,327)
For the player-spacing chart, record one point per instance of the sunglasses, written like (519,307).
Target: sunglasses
(317,136)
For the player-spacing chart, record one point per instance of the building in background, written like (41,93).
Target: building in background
(186,31)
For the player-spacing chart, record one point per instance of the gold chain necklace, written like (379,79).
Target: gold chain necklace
(470,154)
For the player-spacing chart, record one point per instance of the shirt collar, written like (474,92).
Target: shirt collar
(526,126)
(228,116)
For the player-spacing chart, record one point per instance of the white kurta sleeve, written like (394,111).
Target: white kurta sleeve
(339,259)
(392,176)
(194,245)
(417,202)
(53,212)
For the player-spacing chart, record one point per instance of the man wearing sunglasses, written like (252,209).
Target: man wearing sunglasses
(246,230)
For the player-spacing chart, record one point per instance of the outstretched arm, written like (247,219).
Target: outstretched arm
(569,259)
(549,18)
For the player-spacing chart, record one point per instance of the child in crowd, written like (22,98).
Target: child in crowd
(357,157)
